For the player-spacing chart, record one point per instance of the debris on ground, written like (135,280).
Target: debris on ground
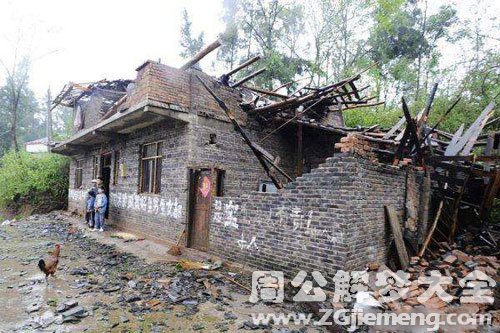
(98,287)
(126,236)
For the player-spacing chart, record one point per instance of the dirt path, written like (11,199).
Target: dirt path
(101,286)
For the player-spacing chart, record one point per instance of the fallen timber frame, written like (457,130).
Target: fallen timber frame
(260,156)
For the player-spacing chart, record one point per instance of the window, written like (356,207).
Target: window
(150,168)
(116,167)
(221,176)
(267,186)
(78,173)
(95,167)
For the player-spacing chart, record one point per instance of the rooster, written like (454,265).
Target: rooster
(49,266)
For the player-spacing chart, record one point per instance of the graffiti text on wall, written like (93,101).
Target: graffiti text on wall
(169,207)
(225,213)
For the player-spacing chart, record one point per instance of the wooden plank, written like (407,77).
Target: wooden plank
(265,92)
(479,128)
(248,77)
(488,150)
(395,128)
(300,153)
(440,120)
(243,65)
(413,133)
(262,151)
(456,208)
(470,136)
(239,129)
(404,259)
(431,231)
(200,55)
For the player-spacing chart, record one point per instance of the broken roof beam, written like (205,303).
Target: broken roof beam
(466,142)
(200,55)
(248,77)
(241,66)
(246,139)
(265,92)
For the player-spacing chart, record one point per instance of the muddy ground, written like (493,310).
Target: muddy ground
(103,288)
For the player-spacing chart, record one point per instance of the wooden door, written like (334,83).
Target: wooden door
(200,216)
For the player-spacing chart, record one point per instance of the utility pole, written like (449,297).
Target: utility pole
(49,117)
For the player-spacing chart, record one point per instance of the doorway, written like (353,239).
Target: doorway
(204,183)
(200,198)
(106,176)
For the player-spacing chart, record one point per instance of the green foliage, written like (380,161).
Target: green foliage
(39,181)
(15,91)
(321,41)
(190,45)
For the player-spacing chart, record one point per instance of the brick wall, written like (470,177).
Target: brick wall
(332,218)
(161,85)
(186,145)
(159,216)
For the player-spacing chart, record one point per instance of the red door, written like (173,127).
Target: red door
(201,209)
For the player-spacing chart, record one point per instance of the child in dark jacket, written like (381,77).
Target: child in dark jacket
(89,208)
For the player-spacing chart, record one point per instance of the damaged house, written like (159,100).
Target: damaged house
(253,176)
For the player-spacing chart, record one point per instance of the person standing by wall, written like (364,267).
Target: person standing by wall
(101,204)
(89,208)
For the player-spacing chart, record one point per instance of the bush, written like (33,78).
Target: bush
(33,183)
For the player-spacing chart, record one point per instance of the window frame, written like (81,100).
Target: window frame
(78,173)
(116,166)
(155,171)
(96,162)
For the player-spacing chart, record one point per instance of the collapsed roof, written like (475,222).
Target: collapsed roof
(110,91)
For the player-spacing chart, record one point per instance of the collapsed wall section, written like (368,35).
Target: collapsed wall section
(332,218)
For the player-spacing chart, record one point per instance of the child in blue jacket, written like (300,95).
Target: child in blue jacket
(101,204)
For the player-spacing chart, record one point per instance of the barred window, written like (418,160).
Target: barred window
(150,168)
(78,173)
(95,167)
(116,167)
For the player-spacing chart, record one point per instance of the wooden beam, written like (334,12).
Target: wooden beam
(265,92)
(245,137)
(392,216)
(241,66)
(300,148)
(431,231)
(200,55)
(248,77)
(466,142)
(455,209)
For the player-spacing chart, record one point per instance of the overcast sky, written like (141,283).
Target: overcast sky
(84,41)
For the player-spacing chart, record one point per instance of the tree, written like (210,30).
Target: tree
(404,43)
(15,87)
(230,40)
(190,45)
(272,29)
(338,30)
